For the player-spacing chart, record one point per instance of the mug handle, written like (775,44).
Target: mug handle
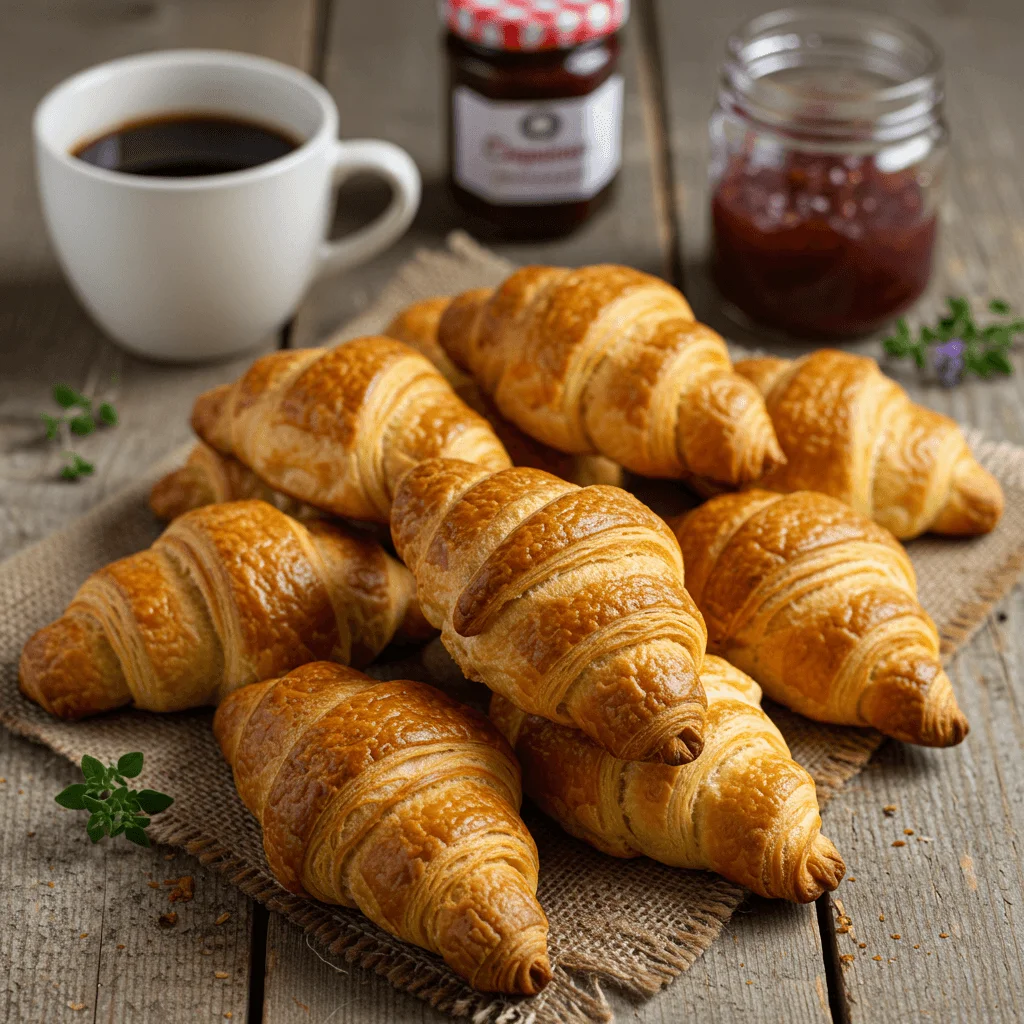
(396,167)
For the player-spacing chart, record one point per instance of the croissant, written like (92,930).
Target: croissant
(744,808)
(820,606)
(607,359)
(418,325)
(393,798)
(567,600)
(849,431)
(336,428)
(209,477)
(227,595)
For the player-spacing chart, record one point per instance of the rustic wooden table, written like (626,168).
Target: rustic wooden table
(79,937)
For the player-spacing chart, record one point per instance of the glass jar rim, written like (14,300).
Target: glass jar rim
(798,37)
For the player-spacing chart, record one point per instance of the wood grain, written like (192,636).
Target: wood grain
(390,84)
(966,882)
(90,947)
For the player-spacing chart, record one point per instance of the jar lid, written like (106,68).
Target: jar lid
(533,24)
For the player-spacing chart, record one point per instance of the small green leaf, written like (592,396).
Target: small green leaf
(76,467)
(96,832)
(93,769)
(117,829)
(1000,307)
(153,802)
(82,424)
(137,836)
(94,805)
(67,397)
(141,820)
(107,414)
(998,361)
(130,765)
(52,426)
(72,797)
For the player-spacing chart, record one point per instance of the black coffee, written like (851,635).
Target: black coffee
(185,146)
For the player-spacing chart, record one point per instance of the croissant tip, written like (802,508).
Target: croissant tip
(684,747)
(825,868)
(537,976)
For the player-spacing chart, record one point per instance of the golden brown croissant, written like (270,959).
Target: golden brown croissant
(418,325)
(393,798)
(607,359)
(820,606)
(336,428)
(849,431)
(227,595)
(567,600)
(744,808)
(209,477)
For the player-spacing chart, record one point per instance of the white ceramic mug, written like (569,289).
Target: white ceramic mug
(199,268)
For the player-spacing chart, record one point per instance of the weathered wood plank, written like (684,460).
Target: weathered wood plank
(967,800)
(92,942)
(81,922)
(44,335)
(401,98)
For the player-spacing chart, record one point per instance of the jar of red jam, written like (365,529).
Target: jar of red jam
(828,146)
(535,110)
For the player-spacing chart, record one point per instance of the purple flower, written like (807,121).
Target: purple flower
(948,360)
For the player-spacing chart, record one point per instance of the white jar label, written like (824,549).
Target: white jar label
(512,152)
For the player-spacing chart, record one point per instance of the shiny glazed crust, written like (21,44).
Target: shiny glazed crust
(392,798)
(418,326)
(336,428)
(567,600)
(820,606)
(209,477)
(744,808)
(606,359)
(849,431)
(229,594)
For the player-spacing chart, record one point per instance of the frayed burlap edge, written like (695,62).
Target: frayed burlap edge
(575,994)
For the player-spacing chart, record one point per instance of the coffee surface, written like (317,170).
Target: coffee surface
(186,146)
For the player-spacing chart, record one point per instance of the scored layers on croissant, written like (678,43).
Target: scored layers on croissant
(227,595)
(393,798)
(744,808)
(336,428)
(850,431)
(608,359)
(569,601)
(819,605)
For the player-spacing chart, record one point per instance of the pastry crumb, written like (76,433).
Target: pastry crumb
(221,974)
(168,920)
(224,917)
(120,945)
(895,935)
(862,945)
(898,842)
(881,917)
(889,809)
(908,831)
(847,958)
(877,957)
(943,935)
(182,889)
(75,1006)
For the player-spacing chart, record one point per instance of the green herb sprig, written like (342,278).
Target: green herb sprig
(114,808)
(79,417)
(986,349)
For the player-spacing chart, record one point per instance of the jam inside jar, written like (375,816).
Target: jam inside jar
(828,147)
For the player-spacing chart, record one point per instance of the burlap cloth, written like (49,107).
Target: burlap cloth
(634,924)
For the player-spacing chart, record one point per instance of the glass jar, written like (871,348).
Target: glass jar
(828,147)
(534,110)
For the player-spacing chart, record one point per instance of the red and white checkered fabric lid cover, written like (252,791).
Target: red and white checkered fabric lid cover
(533,24)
